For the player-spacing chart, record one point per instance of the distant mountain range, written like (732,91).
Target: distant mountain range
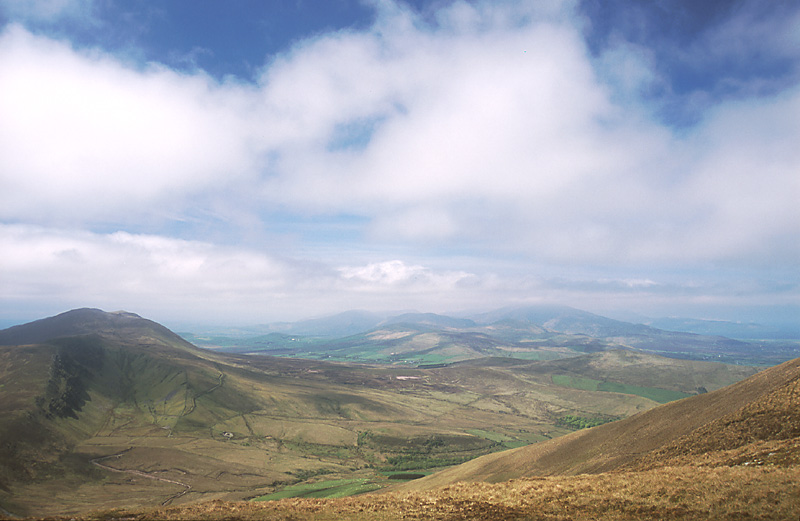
(534,332)
(740,330)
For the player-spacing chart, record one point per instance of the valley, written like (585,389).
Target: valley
(107,411)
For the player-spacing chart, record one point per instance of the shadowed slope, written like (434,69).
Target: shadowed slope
(78,372)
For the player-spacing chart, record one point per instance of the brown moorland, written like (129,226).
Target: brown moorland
(670,493)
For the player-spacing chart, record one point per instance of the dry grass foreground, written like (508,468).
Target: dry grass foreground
(670,493)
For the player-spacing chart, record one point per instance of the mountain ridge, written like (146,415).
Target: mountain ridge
(525,328)
(83,321)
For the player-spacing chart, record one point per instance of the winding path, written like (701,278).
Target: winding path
(192,407)
(8,514)
(142,474)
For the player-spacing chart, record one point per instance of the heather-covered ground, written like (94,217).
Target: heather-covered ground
(673,493)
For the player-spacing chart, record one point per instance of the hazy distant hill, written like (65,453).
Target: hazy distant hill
(740,330)
(339,325)
(671,343)
(430,319)
(533,332)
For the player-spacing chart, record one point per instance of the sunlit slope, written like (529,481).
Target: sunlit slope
(764,406)
(631,367)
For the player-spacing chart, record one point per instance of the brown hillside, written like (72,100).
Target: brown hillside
(764,406)
(674,494)
(766,431)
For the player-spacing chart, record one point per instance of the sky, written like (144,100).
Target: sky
(250,161)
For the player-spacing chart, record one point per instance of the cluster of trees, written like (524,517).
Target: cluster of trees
(417,461)
(581,422)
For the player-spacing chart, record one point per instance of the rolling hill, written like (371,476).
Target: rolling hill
(105,410)
(571,321)
(730,454)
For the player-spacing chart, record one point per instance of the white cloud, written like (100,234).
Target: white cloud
(165,278)
(83,137)
(396,274)
(154,274)
(745,184)
(506,116)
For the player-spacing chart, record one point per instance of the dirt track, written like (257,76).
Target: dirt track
(142,474)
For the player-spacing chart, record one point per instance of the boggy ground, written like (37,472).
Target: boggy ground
(670,493)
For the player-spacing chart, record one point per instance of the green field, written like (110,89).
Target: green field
(589,384)
(507,441)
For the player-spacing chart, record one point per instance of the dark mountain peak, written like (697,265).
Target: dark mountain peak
(565,319)
(122,313)
(88,321)
(531,314)
(429,319)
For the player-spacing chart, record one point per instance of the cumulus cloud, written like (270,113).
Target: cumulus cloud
(83,136)
(410,125)
(396,274)
(51,270)
(161,275)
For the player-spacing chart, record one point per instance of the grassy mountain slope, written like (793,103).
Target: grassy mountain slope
(653,437)
(667,373)
(674,494)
